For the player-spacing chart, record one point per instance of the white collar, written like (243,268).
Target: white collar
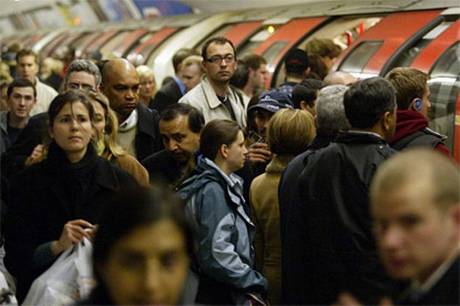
(129,123)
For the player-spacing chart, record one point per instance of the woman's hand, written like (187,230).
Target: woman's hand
(72,233)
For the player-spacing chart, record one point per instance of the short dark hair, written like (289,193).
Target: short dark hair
(306,91)
(296,61)
(26,52)
(195,117)
(241,75)
(220,40)
(215,134)
(70,96)
(133,208)
(366,101)
(254,61)
(20,83)
(180,56)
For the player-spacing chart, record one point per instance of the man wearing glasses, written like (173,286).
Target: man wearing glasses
(214,96)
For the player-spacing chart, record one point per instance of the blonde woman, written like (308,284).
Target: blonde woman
(289,133)
(106,125)
(147,84)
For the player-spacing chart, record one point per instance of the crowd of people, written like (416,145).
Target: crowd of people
(211,189)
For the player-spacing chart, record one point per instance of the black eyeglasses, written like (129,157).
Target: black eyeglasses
(217,59)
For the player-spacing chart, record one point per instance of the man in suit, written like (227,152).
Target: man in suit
(416,208)
(172,90)
(138,130)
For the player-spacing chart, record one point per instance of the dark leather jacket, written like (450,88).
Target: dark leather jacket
(339,252)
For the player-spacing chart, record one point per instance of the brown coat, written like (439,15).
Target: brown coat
(131,165)
(266,216)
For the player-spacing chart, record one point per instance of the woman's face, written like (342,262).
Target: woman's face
(72,130)
(99,118)
(148,266)
(236,153)
(146,86)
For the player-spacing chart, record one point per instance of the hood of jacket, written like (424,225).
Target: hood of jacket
(202,175)
(407,123)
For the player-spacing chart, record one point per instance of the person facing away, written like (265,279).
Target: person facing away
(413,98)
(27,68)
(296,67)
(138,131)
(128,267)
(215,203)
(214,96)
(180,128)
(304,95)
(416,215)
(334,195)
(53,204)
(330,120)
(289,133)
(22,97)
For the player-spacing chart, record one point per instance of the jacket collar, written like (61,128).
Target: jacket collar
(359,137)
(407,123)
(210,94)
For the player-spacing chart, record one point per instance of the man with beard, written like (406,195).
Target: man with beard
(180,127)
(213,96)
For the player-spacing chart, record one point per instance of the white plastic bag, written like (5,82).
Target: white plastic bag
(69,279)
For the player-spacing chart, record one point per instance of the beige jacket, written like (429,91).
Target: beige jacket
(204,98)
(45,94)
(266,215)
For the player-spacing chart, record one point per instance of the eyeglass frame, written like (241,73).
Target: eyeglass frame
(217,59)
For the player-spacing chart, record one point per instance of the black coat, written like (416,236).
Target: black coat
(167,95)
(338,252)
(148,139)
(290,223)
(446,291)
(47,195)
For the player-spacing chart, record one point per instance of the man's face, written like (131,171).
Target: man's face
(261,118)
(220,63)
(122,90)
(259,77)
(191,76)
(21,102)
(414,236)
(81,80)
(178,139)
(27,68)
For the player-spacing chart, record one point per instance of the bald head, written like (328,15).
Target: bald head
(339,78)
(120,83)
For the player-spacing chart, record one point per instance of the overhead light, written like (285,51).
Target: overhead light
(271,29)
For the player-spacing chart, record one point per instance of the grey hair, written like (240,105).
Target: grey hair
(84,65)
(330,112)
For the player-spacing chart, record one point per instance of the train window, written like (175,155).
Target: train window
(445,87)
(258,38)
(407,57)
(359,57)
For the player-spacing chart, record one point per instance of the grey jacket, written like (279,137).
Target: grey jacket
(225,232)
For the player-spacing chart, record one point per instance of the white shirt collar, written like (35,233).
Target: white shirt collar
(130,122)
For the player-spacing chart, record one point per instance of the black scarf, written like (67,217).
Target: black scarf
(76,178)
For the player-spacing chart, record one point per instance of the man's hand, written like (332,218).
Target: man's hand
(36,156)
(259,153)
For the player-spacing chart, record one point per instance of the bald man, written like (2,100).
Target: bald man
(138,132)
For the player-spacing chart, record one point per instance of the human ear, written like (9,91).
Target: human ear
(50,132)
(223,150)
